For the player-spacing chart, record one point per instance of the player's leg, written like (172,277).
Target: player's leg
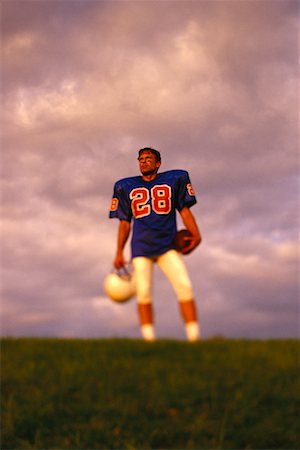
(172,264)
(143,269)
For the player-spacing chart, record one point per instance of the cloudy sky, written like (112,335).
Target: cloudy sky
(214,86)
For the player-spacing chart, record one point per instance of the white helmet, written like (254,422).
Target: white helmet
(119,285)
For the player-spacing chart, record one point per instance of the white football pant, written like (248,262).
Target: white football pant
(172,265)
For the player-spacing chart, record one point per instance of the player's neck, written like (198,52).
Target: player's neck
(149,177)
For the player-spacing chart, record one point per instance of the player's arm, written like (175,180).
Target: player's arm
(123,234)
(191,224)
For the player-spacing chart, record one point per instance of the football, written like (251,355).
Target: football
(180,242)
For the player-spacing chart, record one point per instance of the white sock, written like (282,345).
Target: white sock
(148,332)
(192,331)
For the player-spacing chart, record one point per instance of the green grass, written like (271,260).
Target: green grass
(127,394)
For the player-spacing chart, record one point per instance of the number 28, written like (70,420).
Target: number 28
(160,200)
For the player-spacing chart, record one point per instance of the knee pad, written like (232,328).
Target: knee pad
(184,290)
(143,276)
(173,266)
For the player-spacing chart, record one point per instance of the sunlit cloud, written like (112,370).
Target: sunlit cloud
(212,85)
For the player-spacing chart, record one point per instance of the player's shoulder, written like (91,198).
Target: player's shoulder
(176,174)
(127,182)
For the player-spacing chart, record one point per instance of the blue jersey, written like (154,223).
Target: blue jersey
(152,205)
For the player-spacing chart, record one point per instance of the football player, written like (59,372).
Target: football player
(150,201)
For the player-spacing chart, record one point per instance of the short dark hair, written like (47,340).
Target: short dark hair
(152,150)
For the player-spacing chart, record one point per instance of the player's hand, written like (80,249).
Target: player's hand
(194,241)
(119,261)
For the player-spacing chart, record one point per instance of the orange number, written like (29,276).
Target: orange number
(139,197)
(161,199)
(160,202)
(114,204)
(190,189)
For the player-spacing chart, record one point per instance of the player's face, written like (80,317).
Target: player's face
(148,163)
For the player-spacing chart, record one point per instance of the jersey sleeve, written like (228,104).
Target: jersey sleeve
(185,194)
(120,205)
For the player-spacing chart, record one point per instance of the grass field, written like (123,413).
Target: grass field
(127,394)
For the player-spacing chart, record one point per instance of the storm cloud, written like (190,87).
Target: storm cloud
(213,86)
